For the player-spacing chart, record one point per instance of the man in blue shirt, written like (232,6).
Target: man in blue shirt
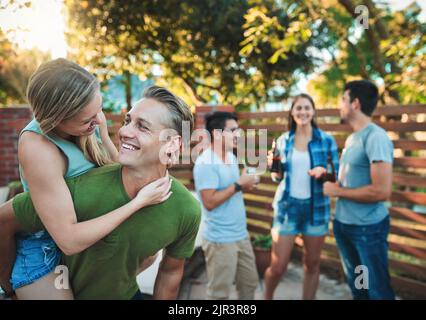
(361,223)
(226,245)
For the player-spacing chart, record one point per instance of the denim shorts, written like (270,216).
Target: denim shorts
(36,256)
(295,218)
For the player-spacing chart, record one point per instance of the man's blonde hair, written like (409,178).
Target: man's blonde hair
(178,109)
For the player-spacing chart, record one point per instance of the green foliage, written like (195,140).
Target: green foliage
(238,51)
(205,44)
(16,67)
(392,52)
(263,241)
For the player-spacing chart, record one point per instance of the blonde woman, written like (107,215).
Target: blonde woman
(61,142)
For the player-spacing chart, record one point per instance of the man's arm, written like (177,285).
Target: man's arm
(380,188)
(213,198)
(168,278)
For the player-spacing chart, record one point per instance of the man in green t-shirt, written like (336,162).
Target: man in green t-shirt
(108,269)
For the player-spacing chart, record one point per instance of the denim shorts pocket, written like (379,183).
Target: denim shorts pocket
(293,210)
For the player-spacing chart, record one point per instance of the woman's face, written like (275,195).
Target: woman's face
(84,122)
(303,112)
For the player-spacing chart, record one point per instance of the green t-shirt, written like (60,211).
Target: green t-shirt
(107,270)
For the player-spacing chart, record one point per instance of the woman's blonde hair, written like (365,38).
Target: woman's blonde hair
(57,91)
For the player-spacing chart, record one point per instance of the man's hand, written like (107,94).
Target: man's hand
(248,181)
(331,189)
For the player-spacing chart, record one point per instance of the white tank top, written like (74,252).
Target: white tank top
(300,181)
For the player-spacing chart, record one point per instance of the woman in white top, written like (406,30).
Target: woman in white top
(300,205)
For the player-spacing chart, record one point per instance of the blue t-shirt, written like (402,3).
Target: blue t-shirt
(362,148)
(227,222)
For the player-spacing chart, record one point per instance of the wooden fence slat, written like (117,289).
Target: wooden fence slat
(412,162)
(259,217)
(407,214)
(408,232)
(181,174)
(398,247)
(410,285)
(334,112)
(260,192)
(410,197)
(258,204)
(409,180)
(404,144)
(400,110)
(410,145)
(258,229)
(337,127)
(409,269)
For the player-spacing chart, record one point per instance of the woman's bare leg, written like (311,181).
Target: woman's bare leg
(311,262)
(280,256)
(45,288)
(8,228)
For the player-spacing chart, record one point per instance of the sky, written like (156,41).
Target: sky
(41,26)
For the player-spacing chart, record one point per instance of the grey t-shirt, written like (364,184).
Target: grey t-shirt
(362,148)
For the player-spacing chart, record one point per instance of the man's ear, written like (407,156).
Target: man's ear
(175,143)
(356,105)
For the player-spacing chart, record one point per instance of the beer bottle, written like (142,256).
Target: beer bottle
(330,174)
(276,159)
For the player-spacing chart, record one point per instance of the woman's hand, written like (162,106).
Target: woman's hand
(101,119)
(269,159)
(317,172)
(155,192)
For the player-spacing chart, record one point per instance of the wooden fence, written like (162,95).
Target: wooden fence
(406,126)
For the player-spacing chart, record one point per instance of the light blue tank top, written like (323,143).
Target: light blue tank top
(77,162)
(43,247)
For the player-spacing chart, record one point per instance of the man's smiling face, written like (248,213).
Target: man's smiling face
(140,143)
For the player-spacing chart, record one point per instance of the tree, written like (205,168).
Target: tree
(16,67)
(202,43)
(390,51)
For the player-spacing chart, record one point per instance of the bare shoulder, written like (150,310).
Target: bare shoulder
(36,151)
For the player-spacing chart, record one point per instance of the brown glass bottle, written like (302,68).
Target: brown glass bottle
(330,174)
(276,159)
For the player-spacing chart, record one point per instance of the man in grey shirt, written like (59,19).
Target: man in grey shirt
(361,223)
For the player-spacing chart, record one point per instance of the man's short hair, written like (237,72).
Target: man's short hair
(179,110)
(367,94)
(217,120)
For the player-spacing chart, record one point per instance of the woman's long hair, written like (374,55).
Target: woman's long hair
(57,91)
(292,125)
